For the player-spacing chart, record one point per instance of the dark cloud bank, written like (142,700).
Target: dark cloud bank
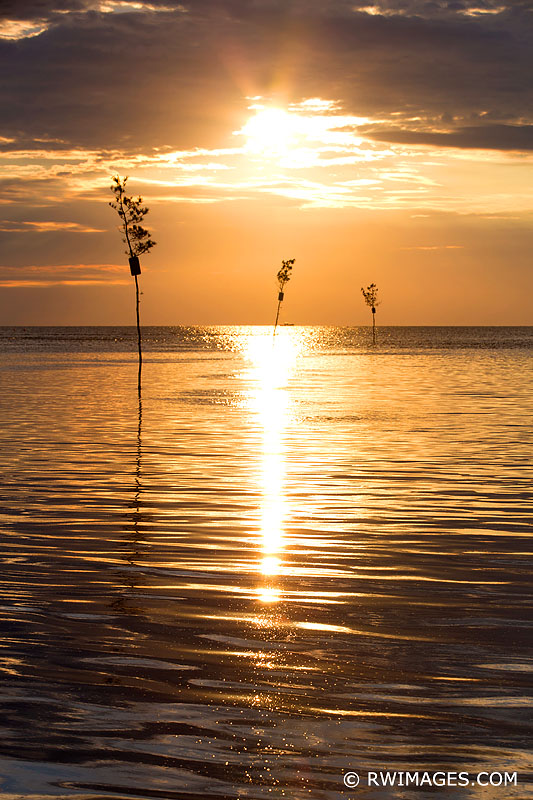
(176,74)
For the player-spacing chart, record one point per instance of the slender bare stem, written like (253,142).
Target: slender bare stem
(138,334)
(137,301)
(277,317)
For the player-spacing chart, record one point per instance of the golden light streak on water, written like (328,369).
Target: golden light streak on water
(272,358)
(267,594)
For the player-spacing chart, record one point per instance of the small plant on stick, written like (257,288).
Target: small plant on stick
(136,238)
(283,277)
(370,295)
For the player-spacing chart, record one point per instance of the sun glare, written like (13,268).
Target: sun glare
(312,133)
(270,131)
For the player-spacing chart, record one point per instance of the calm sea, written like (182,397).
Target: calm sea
(292,559)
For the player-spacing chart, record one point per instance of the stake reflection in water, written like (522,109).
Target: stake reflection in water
(270,401)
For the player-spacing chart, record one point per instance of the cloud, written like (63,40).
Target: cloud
(324,158)
(45,227)
(62,275)
(436,247)
(481,137)
(160,91)
(23,21)
(163,73)
(14,29)
(131,6)
(435,9)
(30,192)
(478,10)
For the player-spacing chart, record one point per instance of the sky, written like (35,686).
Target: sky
(387,142)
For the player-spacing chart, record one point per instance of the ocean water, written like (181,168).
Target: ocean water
(290,559)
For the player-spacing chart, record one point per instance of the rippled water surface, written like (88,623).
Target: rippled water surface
(291,558)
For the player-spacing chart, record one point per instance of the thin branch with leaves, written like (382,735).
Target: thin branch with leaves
(283,277)
(370,295)
(131,212)
(137,239)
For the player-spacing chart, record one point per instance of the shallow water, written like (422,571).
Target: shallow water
(295,557)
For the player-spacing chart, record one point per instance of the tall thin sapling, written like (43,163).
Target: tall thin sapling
(283,277)
(370,295)
(137,239)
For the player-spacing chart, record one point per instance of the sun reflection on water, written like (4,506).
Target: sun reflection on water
(272,362)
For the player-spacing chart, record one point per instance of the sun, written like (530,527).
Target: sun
(305,135)
(270,132)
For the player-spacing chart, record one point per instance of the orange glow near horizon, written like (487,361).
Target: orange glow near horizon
(297,178)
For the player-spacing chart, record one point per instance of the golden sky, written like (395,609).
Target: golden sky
(388,143)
